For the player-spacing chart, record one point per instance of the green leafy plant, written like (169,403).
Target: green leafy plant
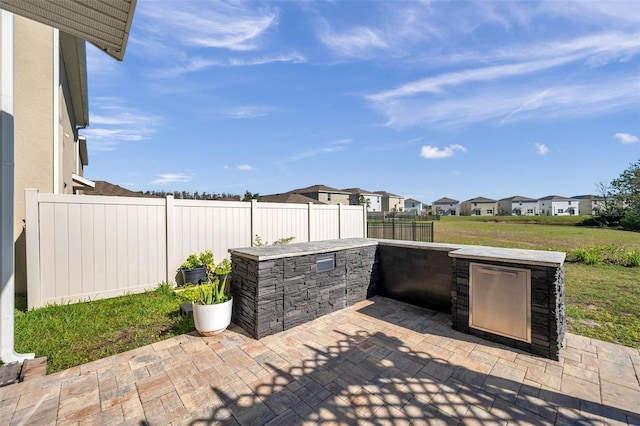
(257,242)
(204,259)
(192,262)
(215,290)
(632,258)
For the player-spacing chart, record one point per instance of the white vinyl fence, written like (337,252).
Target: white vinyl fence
(88,247)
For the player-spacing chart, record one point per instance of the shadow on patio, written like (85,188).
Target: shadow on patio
(367,376)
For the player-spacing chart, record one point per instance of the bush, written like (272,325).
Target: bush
(610,255)
(632,258)
(631,221)
(589,255)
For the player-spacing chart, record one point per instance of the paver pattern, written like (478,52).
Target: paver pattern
(379,362)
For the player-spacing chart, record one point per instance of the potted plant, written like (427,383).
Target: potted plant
(212,310)
(194,269)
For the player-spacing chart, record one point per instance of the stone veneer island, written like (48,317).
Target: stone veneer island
(279,287)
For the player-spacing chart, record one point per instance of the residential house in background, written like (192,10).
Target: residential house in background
(591,204)
(325,194)
(103,187)
(518,206)
(415,205)
(446,207)
(50,107)
(480,206)
(372,200)
(555,205)
(288,197)
(391,202)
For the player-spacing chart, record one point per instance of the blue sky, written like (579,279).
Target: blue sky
(421,99)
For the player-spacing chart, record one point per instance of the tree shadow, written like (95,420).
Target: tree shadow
(378,378)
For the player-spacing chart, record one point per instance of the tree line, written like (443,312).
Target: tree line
(621,201)
(186,195)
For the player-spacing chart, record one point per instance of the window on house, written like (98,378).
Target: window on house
(477,212)
(489,211)
(329,196)
(560,211)
(529,211)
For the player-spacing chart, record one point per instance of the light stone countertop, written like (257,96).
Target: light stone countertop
(508,255)
(301,249)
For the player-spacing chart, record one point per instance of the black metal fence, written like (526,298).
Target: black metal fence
(400,230)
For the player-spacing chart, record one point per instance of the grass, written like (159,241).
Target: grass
(602,296)
(603,302)
(73,334)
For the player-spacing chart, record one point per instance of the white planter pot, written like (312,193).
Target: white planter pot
(212,319)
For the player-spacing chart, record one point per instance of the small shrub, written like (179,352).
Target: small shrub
(632,259)
(587,255)
(283,241)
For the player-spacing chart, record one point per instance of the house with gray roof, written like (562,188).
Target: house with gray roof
(372,200)
(556,205)
(411,204)
(325,194)
(391,202)
(480,206)
(446,207)
(518,206)
(288,197)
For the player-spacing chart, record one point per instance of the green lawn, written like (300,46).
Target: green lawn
(602,300)
(74,334)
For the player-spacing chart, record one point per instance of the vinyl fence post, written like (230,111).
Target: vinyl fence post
(340,221)
(170,237)
(365,224)
(32,240)
(310,219)
(254,220)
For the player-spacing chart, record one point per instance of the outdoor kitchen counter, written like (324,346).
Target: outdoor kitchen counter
(508,255)
(262,253)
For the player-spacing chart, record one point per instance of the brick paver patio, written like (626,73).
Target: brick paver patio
(380,362)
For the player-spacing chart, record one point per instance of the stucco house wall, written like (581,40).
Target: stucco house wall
(480,207)
(559,206)
(446,207)
(43,113)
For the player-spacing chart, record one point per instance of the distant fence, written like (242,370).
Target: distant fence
(401,230)
(86,247)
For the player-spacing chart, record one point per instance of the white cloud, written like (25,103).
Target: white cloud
(248,111)
(115,121)
(626,138)
(245,167)
(334,146)
(235,26)
(171,177)
(433,152)
(542,149)
(198,63)
(497,92)
(498,103)
(356,42)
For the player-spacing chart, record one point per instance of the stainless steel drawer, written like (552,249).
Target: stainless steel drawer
(500,300)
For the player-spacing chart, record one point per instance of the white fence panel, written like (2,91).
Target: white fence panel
(87,247)
(326,222)
(353,222)
(275,221)
(209,225)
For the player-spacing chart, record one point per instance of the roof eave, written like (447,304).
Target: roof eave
(104,23)
(74,56)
